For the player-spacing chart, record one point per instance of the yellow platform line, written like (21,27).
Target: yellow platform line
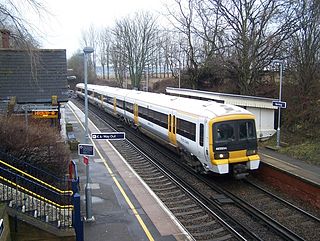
(131,206)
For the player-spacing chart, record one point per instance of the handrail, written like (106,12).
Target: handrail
(36,195)
(36,179)
(21,162)
(34,185)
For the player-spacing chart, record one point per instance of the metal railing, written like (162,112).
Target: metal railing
(36,172)
(36,199)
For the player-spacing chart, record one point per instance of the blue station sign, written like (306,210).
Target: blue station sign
(85,150)
(108,136)
(280,104)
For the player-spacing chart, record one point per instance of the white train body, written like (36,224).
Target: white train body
(212,137)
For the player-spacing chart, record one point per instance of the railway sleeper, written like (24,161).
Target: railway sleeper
(201,225)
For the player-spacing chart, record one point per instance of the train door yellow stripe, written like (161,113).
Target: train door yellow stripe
(132,207)
(115,105)
(135,113)
(174,130)
(169,128)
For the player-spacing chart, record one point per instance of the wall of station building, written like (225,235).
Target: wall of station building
(264,122)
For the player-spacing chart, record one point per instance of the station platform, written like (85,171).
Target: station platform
(123,206)
(305,172)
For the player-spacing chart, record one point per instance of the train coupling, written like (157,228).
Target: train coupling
(240,171)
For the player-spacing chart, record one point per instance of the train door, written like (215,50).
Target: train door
(202,139)
(172,129)
(101,100)
(135,113)
(115,105)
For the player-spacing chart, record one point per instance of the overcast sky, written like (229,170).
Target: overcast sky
(69,17)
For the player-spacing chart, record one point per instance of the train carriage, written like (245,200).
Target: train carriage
(211,137)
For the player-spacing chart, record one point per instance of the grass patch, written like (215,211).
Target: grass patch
(297,147)
(308,152)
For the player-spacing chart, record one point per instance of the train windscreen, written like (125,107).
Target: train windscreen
(234,135)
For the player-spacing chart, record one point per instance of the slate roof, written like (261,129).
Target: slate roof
(33,77)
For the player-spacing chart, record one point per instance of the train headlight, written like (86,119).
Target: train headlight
(251,152)
(221,155)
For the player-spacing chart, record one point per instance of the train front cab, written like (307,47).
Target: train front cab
(233,144)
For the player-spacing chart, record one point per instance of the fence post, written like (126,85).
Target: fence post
(78,223)
(75,185)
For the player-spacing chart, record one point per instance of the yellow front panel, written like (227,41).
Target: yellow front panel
(219,162)
(254,158)
(238,156)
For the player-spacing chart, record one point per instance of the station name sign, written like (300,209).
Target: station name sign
(109,136)
(85,150)
(45,114)
(280,104)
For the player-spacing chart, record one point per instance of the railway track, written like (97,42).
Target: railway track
(289,215)
(248,222)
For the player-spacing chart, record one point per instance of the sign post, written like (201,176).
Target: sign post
(86,160)
(280,103)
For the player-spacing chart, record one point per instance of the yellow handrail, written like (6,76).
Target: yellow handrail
(38,180)
(37,195)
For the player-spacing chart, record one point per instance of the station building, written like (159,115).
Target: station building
(31,80)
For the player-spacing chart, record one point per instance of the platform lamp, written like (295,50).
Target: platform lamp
(89,216)
(280,63)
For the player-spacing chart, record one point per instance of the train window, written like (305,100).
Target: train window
(155,117)
(201,135)
(108,100)
(186,129)
(143,112)
(169,121)
(246,130)
(225,132)
(129,107)
(119,103)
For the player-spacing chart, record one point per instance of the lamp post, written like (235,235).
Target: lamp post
(280,62)
(147,78)
(179,76)
(89,217)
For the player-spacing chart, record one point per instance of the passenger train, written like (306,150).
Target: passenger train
(211,137)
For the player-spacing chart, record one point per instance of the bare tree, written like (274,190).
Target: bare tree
(183,22)
(305,47)
(137,36)
(104,51)
(12,20)
(90,38)
(256,30)
(119,60)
